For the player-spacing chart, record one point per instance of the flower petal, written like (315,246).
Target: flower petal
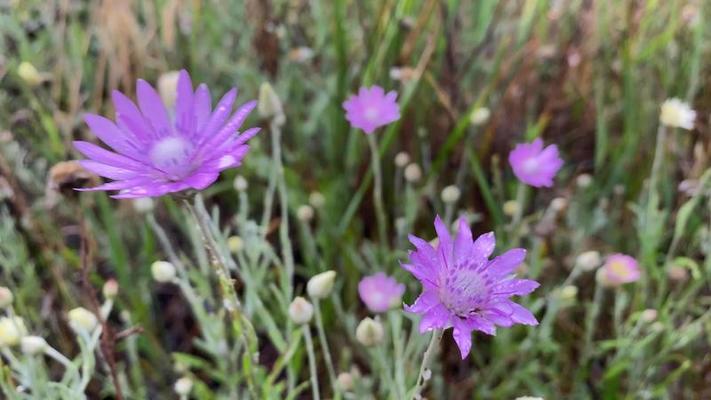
(153,109)
(506,263)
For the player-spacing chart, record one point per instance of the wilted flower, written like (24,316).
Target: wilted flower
(6,297)
(163,271)
(321,285)
(82,320)
(380,292)
(12,329)
(33,345)
(301,311)
(534,165)
(370,332)
(465,290)
(677,114)
(450,194)
(154,154)
(413,173)
(372,108)
(619,269)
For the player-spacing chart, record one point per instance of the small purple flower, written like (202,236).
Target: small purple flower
(371,108)
(620,269)
(534,165)
(380,292)
(463,289)
(156,152)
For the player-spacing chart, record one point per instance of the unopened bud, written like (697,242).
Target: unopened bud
(6,297)
(559,204)
(110,289)
(82,320)
(588,260)
(649,315)
(345,381)
(301,311)
(321,285)
(677,273)
(29,73)
(12,329)
(163,271)
(402,159)
(479,116)
(269,105)
(317,200)
(143,205)
(583,180)
(510,208)
(32,345)
(240,184)
(235,244)
(305,213)
(168,88)
(569,293)
(183,386)
(413,173)
(450,194)
(369,332)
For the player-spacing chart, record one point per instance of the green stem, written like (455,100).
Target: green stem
(426,359)
(324,346)
(312,362)
(378,190)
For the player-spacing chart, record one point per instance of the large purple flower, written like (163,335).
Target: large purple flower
(465,290)
(156,152)
(371,108)
(534,165)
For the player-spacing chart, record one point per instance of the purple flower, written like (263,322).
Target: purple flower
(380,292)
(620,269)
(534,165)
(156,152)
(463,289)
(371,108)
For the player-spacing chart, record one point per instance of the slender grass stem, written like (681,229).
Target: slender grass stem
(312,362)
(378,189)
(426,359)
(324,346)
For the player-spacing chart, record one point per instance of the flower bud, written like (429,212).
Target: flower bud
(317,200)
(677,114)
(479,116)
(677,273)
(370,332)
(29,73)
(345,381)
(240,184)
(413,173)
(321,285)
(301,311)
(305,213)
(559,204)
(6,297)
(143,205)
(402,159)
(183,386)
(510,208)
(32,345)
(569,293)
(82,320)
(163,271)
(450,194)
(12,329)
(110,289)
(649,315)
(588,260)
(269,105)
(235,244)
(583,181)
(168,88)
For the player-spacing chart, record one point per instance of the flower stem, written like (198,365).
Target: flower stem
(378,189)
(426,359)
(312,362)
(324,347)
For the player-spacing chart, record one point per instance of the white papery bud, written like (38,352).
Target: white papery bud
(110,289)
(588,260)
(235,244)
(269,105)
(321,285)
(370,332)
(183,386)
(402,159)
(163,271)
(649,315)
(450,194)
(168,88)
(480,116)
(301,311)
(345,381)
(82,320)
(317,200)
(32,345)
(413,173)
(584,180)
(29,73)
(305,213)
(510,207)
(240,184)
(677,114)
(6,297)
(143,205)
(12,329)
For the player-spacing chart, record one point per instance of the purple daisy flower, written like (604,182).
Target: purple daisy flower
(372,108)
(534,165)
(465,290)
(380,292)
(156,152)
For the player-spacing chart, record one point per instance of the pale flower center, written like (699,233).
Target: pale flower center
(172,155)
(619,268)
(530,165)
(371,113)
(463,291)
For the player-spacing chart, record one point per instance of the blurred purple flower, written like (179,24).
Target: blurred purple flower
(380,292)
(534,165)
(371,108)
(465,290)
(620,269)
(156,152)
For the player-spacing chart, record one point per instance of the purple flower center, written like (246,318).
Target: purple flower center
(172,155)
(531,165)
(463,291)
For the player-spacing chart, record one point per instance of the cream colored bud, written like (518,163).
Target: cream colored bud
(143,205)
(32,345)
(240,184)
(110,289)
(317,200)
(584,180)
(402,159)
(559,204)
(183,386)
(163,271)
(301,54)
(6,297)
(677,114)
(413,173)
(269,105)
(450,194)
(569,293)
(12,329)
(345,381)
(168,88)
(29,73)
(305,213)
(82,320)
(510,207)
(235,244)
(301,311)
(370,332)
(321,285)
(588,260)
(480,116)
(649,315)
